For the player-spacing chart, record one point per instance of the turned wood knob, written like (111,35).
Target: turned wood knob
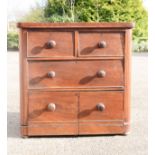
(100,107)
(51,74)
(101,73)
(51,107)
(51,44)
(102,44)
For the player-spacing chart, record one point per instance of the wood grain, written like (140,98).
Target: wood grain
(113,102)
(89,47)
(23,77)
(75,74)
(81,25)
(77,58)
(93,129)
(50,130)
(37,44)
(76,89)
(66,107)
(127,80)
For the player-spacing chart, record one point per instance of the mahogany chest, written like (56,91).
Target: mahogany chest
(75,78)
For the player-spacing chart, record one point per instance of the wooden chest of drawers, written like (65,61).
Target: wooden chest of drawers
(75,78)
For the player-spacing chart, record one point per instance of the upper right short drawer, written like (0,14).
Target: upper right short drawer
(101,43)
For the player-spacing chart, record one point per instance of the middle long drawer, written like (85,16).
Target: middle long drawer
(75,74)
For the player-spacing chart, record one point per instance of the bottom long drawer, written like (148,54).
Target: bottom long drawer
(72,129)
(73,113)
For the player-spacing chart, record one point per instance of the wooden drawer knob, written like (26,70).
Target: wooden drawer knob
(102,44)
(51,74)
(101,73)
(51,44)
(51,107)
(100,107)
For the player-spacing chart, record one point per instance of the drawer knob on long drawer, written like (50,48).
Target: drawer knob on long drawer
(51,107)
(51,74)
(51,44)
(101,73)
(100,107)
(102,44)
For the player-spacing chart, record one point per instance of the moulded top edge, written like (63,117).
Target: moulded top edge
(127,25)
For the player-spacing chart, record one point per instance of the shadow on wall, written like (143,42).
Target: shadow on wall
(13,128)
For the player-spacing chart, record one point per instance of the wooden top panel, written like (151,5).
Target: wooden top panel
(77,25)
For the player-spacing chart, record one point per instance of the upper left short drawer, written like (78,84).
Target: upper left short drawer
(50,44)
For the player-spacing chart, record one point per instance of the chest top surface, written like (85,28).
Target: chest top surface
(77,25)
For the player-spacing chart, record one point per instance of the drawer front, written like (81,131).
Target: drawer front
(101,44)
(50,44)
(52,107)
(52,129)
(75,74)
(101,106)
(101,113)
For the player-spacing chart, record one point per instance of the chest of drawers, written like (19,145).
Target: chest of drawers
(75,78)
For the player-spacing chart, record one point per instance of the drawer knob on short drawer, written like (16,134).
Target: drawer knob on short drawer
(51,44)
(51,74)
(51,107)
(100,107)
(102,44)
(101,73)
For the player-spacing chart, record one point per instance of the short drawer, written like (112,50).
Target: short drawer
(52,107)
(101,44)
(101,112)
(75,74)
(101,106)
(50,44)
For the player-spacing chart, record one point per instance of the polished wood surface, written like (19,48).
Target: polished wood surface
(113,102)
(23,79)
(48,130)
(75,74)
(127,79)
(75,78)
(66,104)
(90,47)
(80,25)
(38,44)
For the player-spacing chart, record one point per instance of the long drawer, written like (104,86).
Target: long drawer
(50,113)
(75,74)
